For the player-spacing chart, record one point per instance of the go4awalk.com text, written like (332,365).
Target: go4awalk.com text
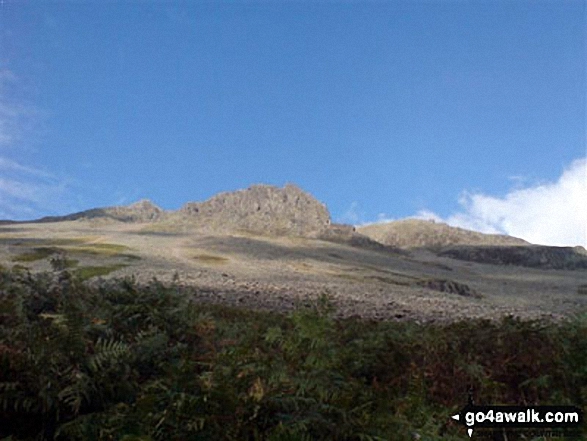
(519,417)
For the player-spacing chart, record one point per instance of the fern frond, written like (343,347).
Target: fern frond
(76,393)
(108,352)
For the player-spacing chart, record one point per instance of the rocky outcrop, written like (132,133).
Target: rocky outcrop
(415,233)
(141,211)
(347,234)
(261,209)
(450,286)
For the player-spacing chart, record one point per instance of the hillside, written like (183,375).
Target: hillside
(533,256)
(414,233)
(268,247)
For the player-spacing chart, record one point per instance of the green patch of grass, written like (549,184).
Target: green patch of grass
(31,242)
(71,263)
(210,258)
(74,247)
(35,254)
(160,230)
(130,256)
(87,272)
(66,241)
(49,243)
(100,248)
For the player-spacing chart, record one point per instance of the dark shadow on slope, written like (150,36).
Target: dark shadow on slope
(533,256)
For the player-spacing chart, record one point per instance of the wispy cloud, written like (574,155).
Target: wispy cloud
(382,218)
(17,117)
(7,166)
(9,112)
(25,191)
(352,214)
(553,213)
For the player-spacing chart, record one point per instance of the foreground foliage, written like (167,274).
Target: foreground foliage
(119,361)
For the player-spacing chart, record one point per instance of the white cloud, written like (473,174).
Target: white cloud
(25,192)
(428,215)
(355,216)
(352,215)
(384,217)
(15,115)
(553,213)
(8,165)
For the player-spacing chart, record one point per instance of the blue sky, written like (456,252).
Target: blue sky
(465,111)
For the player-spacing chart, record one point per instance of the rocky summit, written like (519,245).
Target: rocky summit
(261,209)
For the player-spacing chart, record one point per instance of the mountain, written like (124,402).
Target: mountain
(414,233)
(261,209)
(274,247)
(471,246)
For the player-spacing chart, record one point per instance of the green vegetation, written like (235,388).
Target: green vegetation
(60,262)
(210,258)
(66,241)
(123,361)
(101,248)
(70,263)
(87,272)
(161,229)
(6,239)
(38,249)
(64,263)
(129,256)
(35,254)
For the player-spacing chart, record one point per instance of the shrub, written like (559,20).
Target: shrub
(119,360)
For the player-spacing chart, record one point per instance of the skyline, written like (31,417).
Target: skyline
(469,113)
